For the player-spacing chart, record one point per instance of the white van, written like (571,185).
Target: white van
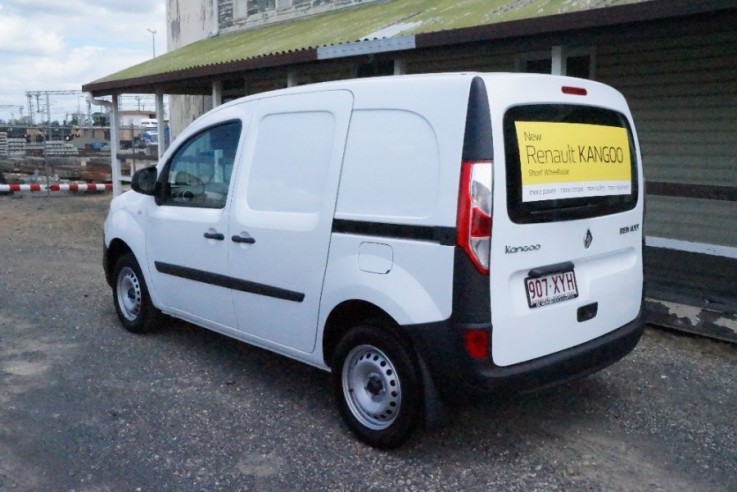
(418,236)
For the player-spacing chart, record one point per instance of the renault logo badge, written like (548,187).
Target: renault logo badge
(588,239)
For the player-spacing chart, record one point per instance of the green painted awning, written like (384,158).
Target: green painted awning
(382,20)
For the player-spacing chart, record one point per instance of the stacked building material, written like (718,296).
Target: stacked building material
(16,146)
(60,149)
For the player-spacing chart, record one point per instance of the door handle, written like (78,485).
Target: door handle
(214,235)
(243,238)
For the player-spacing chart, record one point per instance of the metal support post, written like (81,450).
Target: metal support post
(114,145)
(160,123)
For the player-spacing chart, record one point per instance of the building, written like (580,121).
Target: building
(675,61)
(135,118)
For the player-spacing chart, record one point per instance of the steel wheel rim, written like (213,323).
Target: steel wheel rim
(129,294)
(371,387)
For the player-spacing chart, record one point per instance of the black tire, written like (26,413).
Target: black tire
(378,387)
(130,295)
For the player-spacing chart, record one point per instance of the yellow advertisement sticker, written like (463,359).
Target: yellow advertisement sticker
(573,160)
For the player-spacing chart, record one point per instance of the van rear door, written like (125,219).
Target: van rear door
(566,244)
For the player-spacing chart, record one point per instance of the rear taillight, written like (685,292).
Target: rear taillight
(474,213)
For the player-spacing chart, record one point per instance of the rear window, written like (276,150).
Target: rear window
(567,162)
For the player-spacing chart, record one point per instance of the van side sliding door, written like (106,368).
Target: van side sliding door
(281,221)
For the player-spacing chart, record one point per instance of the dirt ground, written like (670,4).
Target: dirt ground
(86,406)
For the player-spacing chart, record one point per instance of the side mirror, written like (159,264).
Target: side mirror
(144,181)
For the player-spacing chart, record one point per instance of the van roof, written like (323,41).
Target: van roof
(370,83)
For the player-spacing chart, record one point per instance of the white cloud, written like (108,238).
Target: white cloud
(34,7)
(60,45)
(137,7)
(17,36)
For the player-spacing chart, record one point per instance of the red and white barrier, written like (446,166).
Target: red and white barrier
(56,187)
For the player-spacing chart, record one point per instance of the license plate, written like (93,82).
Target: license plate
(551,289)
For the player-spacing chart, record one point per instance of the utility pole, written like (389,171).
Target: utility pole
(38,109)
(30,108)
(48,109)
(153,41)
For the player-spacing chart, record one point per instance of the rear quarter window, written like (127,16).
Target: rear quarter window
(567,162)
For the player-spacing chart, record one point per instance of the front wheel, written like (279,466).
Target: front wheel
(376,383)
(130,295)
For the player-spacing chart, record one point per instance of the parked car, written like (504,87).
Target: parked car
(417,236)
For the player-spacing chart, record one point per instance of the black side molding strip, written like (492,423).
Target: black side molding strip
(229,282)
(445,236)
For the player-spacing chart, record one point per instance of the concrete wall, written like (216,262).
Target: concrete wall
(187,21)
(242,14)
(193,20)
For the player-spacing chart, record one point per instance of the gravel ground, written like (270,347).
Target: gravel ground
(86,406)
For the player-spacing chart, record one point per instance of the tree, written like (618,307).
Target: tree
(100,119)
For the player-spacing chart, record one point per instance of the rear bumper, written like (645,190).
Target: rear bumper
(440,346)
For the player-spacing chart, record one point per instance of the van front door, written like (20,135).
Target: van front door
(281,220)
(185,243)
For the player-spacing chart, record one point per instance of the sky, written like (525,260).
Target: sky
(51,45)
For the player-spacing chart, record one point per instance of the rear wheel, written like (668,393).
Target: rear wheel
(377,386)
(130,295)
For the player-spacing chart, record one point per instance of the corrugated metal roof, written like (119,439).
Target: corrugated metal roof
(418,23)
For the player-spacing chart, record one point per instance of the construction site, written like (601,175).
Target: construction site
(63,138)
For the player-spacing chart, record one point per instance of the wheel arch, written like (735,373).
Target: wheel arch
(115,250)
(123,232)
(351,313)
(355,313)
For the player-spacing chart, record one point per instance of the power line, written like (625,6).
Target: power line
(12,108)
(30,95)
(39,102)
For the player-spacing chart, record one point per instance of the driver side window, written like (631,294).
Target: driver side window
(198,175)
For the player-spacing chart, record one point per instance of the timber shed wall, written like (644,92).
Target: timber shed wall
(681,83)
(683,94)
(680,78)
